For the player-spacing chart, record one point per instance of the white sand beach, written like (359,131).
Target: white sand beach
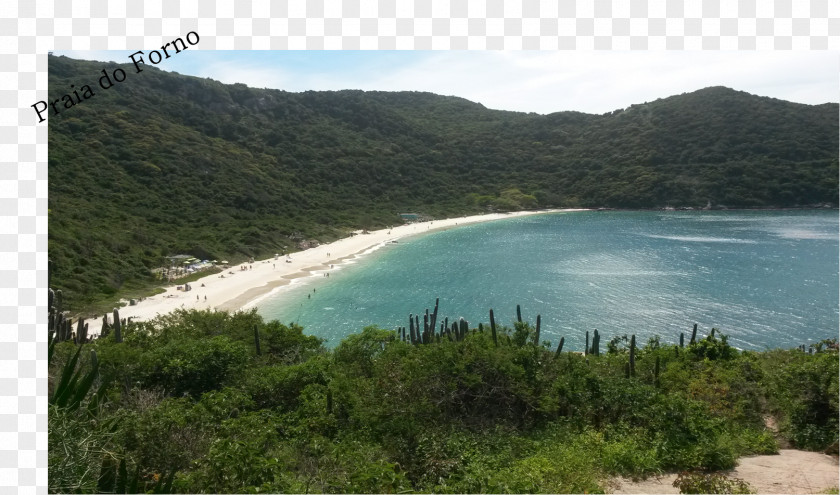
(235,288)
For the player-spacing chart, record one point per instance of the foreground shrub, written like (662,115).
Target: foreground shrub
(192,367)
(689,482)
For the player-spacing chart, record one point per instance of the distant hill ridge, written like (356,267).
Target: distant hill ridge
(163,164)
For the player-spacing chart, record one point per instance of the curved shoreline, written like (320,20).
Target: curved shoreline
(246,284)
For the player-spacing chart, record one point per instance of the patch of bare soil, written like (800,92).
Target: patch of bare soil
(791,471)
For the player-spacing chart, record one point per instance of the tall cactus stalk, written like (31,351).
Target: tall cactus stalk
(560,347)
(656,372)
(633,355)
(712,334)
(464,328)
(537,333)
(586,346)
(81,331)
(106,327)
(417,329)
(596,343)
(433,322)
(493,328)
(693,335)
(518,314)
(682,339)
(117,326)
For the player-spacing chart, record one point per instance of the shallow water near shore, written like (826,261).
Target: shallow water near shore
(766,279)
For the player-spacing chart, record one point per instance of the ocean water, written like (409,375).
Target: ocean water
(766,279)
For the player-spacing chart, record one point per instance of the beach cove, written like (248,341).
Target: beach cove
(235,288)
(763,278)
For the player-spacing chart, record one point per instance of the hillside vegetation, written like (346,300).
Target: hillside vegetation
(201,402)
(163,164)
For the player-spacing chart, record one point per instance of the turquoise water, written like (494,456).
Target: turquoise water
(765,279)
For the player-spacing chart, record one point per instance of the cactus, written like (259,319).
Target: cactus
(656,372)
(81,331)
(682,339)
(106,327)
(433,322)
(481,327)
(693,335)
(465,327)
(122,477)
(586,346)
(518,314)
(493,328)
(117,326)
(712,334)
(257,340)
(560,347)
(537,333)
(633,355)
(107,475)
(596,343)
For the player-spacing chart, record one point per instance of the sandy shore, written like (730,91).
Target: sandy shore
(235,288)
(791,471)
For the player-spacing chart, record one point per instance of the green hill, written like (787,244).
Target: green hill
(163,164)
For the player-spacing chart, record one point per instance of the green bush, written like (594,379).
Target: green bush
(288,343)
(280,386)
(803,392)
(193,366)
(689,482)
(380,415)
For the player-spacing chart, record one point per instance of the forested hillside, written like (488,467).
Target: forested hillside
(163,164)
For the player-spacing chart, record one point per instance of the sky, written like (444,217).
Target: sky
(525,81)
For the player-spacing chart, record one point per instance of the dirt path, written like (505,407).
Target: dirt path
(792,471)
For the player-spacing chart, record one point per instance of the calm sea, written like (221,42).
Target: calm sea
(766,279)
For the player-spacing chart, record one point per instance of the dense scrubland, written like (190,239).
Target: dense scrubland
(163,164)
(201,402)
